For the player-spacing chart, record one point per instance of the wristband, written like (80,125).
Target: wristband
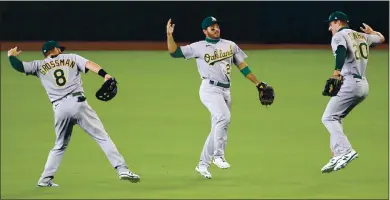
(102,73)
(246,71)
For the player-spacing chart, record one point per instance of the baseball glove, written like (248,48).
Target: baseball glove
(266,93)
(332,86)
(108,90)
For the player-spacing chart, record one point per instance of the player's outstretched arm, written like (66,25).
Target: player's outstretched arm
(367,29)
(246,71)
(98,70)
(266,92)
(15,62)
(173,49)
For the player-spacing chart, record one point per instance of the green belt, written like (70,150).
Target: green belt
(77,94)
(357,76)
(224,85)
(73,94)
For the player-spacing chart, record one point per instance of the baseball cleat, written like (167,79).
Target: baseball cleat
(221,163)
(47,184)
(129,176)
(345,160)
(203,171)
(330,165)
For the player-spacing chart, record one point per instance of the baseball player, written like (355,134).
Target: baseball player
(215,58)
(351,50)
(60,76)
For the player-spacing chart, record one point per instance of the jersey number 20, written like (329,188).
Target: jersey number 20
(361,50)
(59,75)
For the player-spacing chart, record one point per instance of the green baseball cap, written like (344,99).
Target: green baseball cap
(338,15)
(49,45)
(208,21)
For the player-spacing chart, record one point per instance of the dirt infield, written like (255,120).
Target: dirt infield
(129,45)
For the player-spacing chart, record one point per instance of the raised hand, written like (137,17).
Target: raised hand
(14,52)
(367,29)
(170,27)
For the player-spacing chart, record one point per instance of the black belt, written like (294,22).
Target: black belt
(224,85)
(73,94)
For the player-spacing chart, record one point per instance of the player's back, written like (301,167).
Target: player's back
(357,45)
(60,75)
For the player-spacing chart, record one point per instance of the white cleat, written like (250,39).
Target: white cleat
(203,171)
(221,163)
(345,160)
(330,165)
(129,176)
(48,184)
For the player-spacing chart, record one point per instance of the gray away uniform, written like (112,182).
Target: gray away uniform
(214,62)
(355,86)
(60,76)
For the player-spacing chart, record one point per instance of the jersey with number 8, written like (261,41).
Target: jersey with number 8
(357,45)
(59,75)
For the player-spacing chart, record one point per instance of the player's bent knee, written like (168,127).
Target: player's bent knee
(223,119)
(329,118)
(325,119)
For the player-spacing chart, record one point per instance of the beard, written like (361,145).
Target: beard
(213,35)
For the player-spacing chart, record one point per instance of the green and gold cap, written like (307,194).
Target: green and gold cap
(338,15)
(208,21)
(49,45)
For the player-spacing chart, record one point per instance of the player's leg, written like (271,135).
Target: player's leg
(351,94)
(63,128)
(90,123)
(362,92)
(208,148)
(207,153)
(214,101)
(220,153)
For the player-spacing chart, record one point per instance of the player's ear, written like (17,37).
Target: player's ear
(57,51)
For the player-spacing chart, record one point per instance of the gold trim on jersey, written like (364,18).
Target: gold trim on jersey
(56,63)
(212,59)
(356,36)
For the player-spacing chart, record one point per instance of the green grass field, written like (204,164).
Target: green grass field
(159,124)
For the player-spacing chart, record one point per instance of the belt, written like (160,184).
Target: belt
(73,94)
(357,76)
(224,85)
